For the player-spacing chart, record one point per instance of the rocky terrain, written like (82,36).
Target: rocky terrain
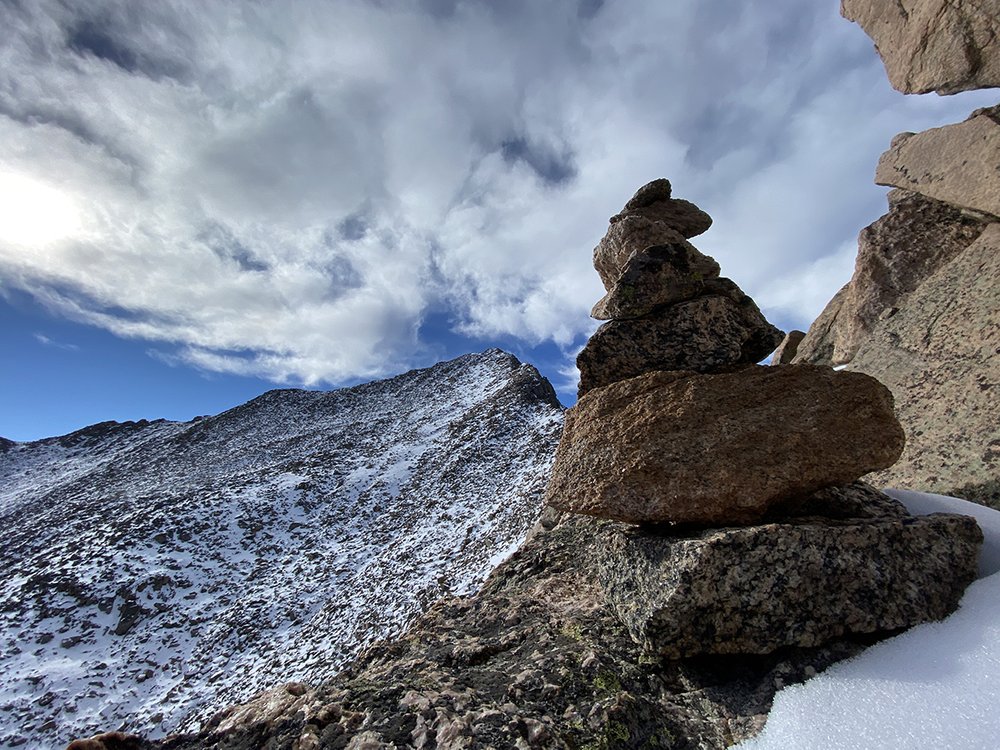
(922,311)
(153,571)
(705,543)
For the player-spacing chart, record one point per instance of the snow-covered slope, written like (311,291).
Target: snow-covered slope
(147,569)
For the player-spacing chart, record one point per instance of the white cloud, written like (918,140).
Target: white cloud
(286,189)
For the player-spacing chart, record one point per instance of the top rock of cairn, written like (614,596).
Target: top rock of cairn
(668,309)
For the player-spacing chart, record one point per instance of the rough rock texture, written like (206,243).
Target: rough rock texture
(633,234)
(657,276)
(786,350)
(940,356)
(895,255)
(651,217)
(945,46)
(151,571)
(958,164)
(719,449)
(759,588)
(706,334)
(535,660)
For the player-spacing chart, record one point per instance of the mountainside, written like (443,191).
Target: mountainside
(150,569)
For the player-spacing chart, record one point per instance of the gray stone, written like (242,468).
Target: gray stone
(706,334)
(759,588)
(657,276)
(940,356)
(719,449)
(957,164)
(933,45)
(786,350)
(895,255)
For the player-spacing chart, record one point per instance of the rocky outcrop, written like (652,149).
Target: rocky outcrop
(945,46)
(940,352)
(667,309)
(957,163)
(719,449)
(895,255)
(802,582)
(536,659)
(786,350)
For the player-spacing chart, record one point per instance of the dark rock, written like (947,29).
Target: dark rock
(945,46)
(632,234)
(706,334)
(760,588)
(786,350)
(719,449)
(895,255)
(657,276)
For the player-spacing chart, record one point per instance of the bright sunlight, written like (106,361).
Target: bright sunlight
(33,213)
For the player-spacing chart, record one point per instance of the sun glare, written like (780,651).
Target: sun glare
(33,213)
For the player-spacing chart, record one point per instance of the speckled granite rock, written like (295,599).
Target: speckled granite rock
(705,334)
(945,46)
(760,588)
(895,255)
(957,164)
(537,659)
(651,217)
(719,449)
(940,356)
(657,276)
(786,350)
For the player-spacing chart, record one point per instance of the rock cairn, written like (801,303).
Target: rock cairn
(741,525)
(666,305)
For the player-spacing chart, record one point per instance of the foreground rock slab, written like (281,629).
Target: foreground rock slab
(722,448)
(956,164)
(760,588)
(705,334)
(536,659)
(933,45)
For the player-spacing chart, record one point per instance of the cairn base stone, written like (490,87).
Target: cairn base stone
(720,449)
(759,588)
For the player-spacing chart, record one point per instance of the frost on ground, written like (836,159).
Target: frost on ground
(149,569)
(934,686)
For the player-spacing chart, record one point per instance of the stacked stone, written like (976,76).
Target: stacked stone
(742,528)
(668,309)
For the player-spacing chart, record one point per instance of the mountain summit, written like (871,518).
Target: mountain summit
(152,568)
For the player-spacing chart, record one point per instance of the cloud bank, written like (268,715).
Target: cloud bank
(292,190)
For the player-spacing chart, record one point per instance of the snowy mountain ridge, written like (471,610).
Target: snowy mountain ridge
(150,568)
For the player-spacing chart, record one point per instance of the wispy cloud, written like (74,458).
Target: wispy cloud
(46,341)
(285,189)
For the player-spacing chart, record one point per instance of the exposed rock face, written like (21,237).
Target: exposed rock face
(153,570)
(657,276)
(719,449)
(537,659)
(895,255)
(945,46)
(958,164)
(786,350)
(760,588)
(706,334)
(940,353)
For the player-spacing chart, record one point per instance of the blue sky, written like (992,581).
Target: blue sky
(201,201)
